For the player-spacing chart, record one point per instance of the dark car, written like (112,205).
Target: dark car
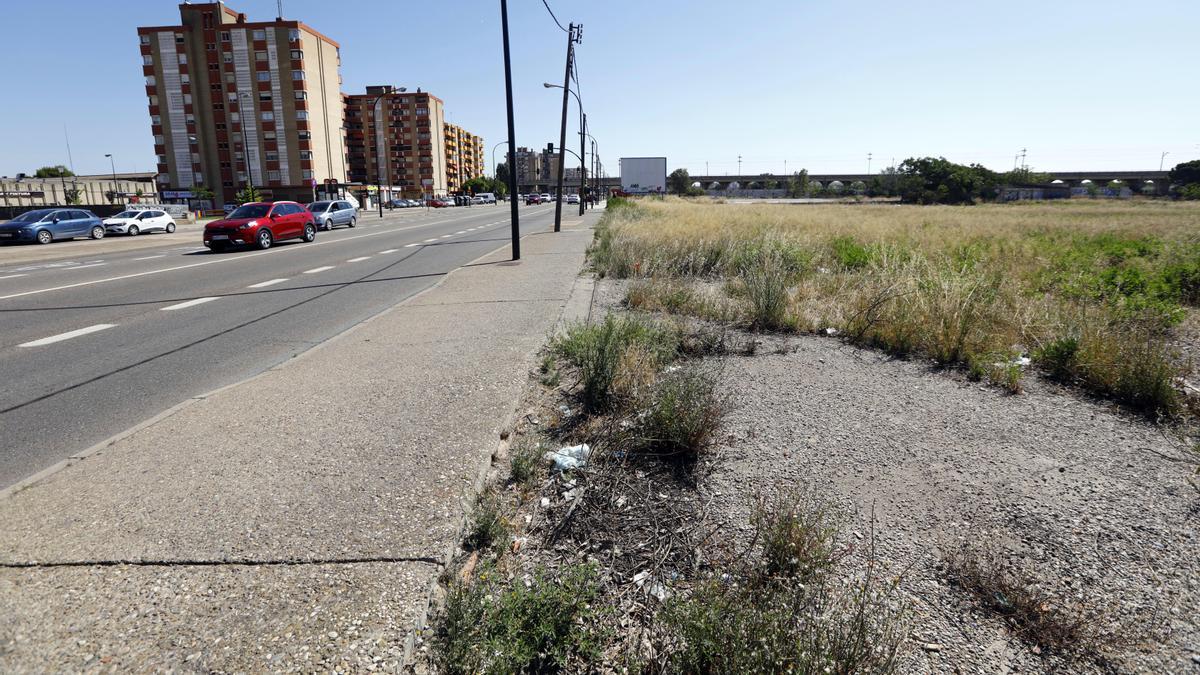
(260,224)
(532,199)
(47,225)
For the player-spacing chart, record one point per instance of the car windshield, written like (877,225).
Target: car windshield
(318,207)
(32,216)
(126,214)
(250,211)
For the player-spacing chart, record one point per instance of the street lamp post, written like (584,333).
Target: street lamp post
(387,160)
(245,144)
(582,123)
(1161,158)
(512,136)
(112,163)
(494,158)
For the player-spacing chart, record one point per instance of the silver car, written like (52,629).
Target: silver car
(330,214)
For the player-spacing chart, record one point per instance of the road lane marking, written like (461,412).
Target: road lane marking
(67,336)
(390,250)
(13,276)
(461,232)
(264,284)
(151,257)
(247,256)
(84,267)
(447,236)
(429,240)
(359,259)
(411,245)
(318,269)
(189,303)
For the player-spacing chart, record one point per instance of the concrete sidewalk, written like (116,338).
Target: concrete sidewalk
(294,521)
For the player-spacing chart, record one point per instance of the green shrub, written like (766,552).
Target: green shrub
(681,415)
(488,524)
(1059,357)
(599,352)
(543,627)
(766,285)
(526,463)
(797,535)
(850,254)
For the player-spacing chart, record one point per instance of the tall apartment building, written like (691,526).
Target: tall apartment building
(464,156)
(396,138)
(235,102)
(529,170)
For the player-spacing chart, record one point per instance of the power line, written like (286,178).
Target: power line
(560,26)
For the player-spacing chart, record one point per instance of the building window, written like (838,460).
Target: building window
(145,39)
(162,159)
(224,36)
(264,96)
(185,79)
(268,117)
(306,174)
(294,35)
(189,119)
(303,135)
(273,175)
(227,57)
(305,154)
(297,74)
(260,34)
(147,60)
(179,38)
(232,96)
(220,126)
(153,99)
(156,120)
(230,78)
(195,157)
(268,135)
(235,117)
(264,76)
(241,176)
(297,55)
(158,139)
(422,111)
(302,115)
(150,81)
(260,56)
(183,59)
(302,96)
(272,156)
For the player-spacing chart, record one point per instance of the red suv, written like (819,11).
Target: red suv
(260,224)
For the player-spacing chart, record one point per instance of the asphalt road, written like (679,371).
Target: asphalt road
(90,346)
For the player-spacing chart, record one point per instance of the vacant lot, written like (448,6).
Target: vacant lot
(1091,293)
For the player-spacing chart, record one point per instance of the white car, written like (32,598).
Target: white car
(572,199)
(136,222)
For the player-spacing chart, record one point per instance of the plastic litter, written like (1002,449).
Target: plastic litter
(831,331)
(571,457)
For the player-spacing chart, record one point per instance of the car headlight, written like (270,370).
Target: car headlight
(248,225)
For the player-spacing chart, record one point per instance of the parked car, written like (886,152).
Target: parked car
(398,204)
(531,199)
(486,198)
(134,222)
(47,225)
(546,197)
(413,202)
(572,199)
(260,224)
(477,200)
(328,215)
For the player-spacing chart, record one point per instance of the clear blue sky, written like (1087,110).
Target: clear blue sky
(1082,85)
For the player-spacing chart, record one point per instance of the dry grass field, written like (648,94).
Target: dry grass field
(1086,292)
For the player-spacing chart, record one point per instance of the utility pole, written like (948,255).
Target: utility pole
(512,137)
(582,152)
(868,164)
(562,132)
(1024,166)
(739,166)
(785,167)
(113,164)
(1161,158)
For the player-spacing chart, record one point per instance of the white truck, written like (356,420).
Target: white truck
(643,175)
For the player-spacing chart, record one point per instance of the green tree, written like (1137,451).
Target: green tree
(679,182)
(1187,173)
(56,171)
(1024,176)
(73,196)
(797,185)
(203,192)
(502,172)
(248,194)
(936,180)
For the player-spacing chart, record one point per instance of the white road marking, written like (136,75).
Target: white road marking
(264,284)
(410,245)
(84,267)
(461,232)
(276,251)
(67,336)
(390,250)
(189,303)
(318,269)
(359,259)
(429,240)
(151,257)
(13,276)
(447,236)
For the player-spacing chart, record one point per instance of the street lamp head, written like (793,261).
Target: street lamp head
(108,155)
(549,86)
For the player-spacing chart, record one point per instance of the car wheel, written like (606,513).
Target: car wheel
(133,230)
(310,232)
(44,237)
(327,225)
(170,228)
(353,222)
(264,239)
(98,232)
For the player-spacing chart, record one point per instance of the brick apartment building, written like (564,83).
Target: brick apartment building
(406,128)
(464,157)
(233,101)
